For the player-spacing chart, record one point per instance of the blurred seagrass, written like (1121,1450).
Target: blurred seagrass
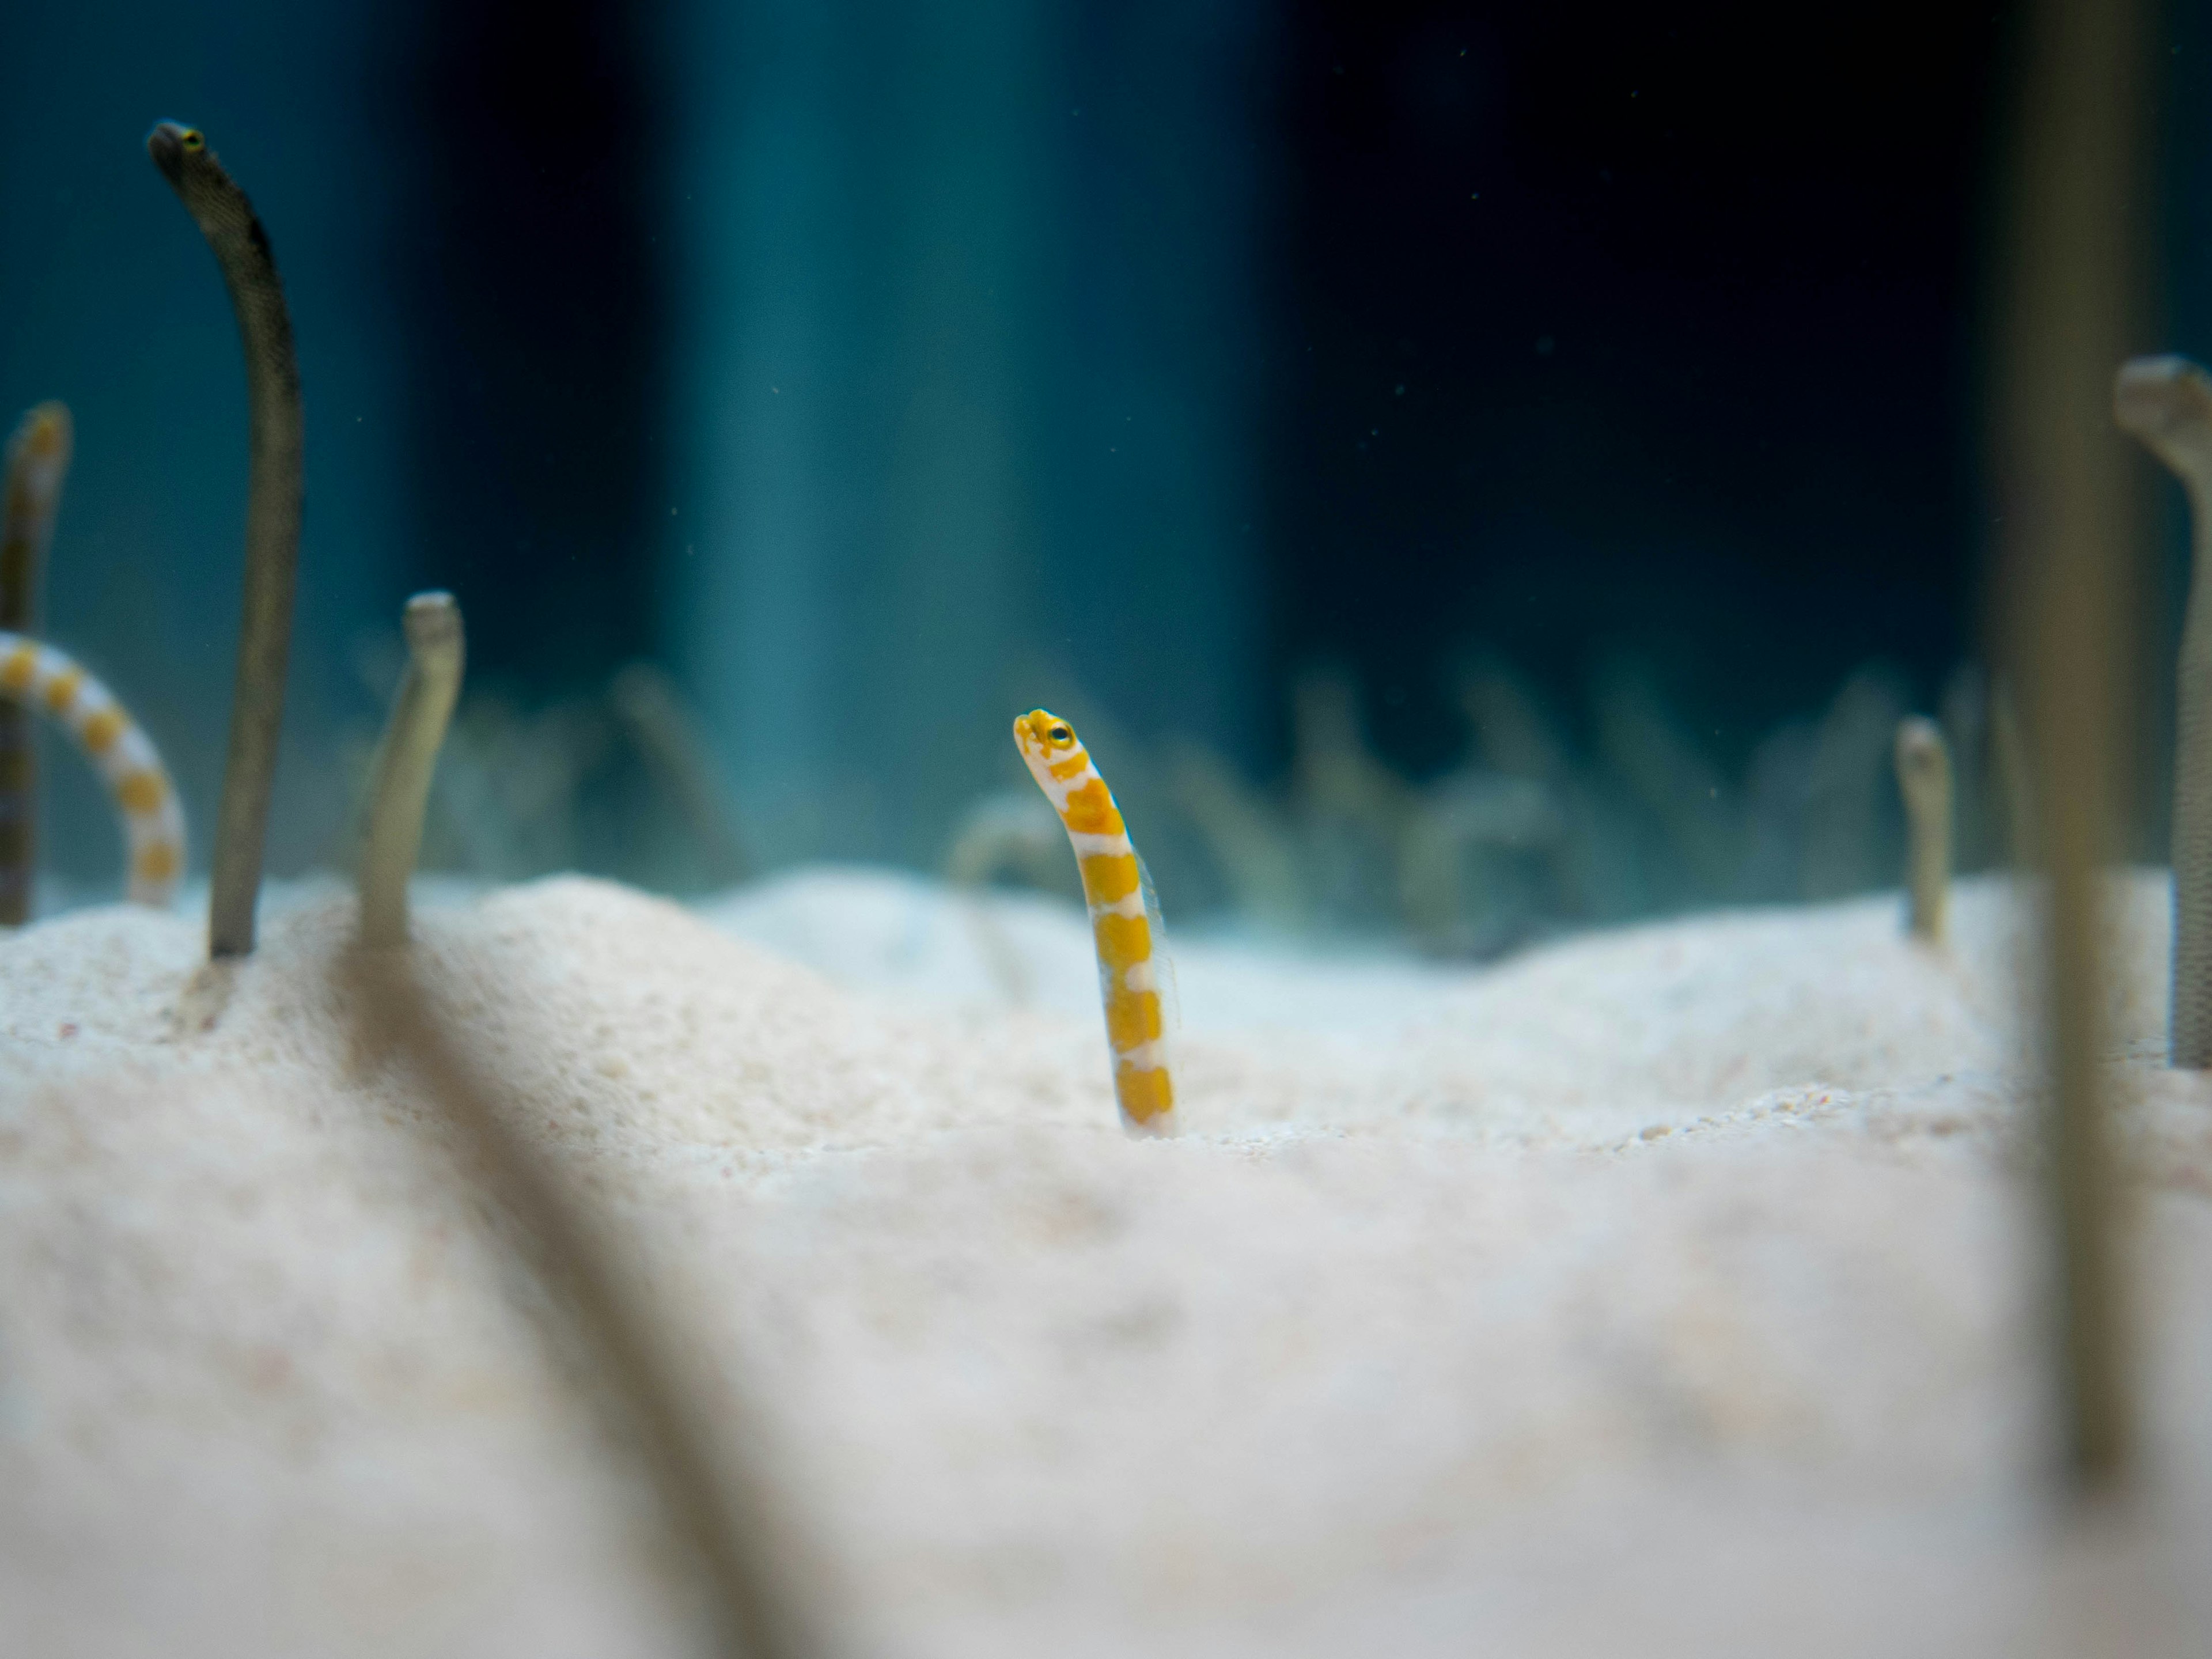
(1848,847)
(1005,828)
(1695,807)
(1492,824)
(667,732)
(1246,833)
(1351,809)
(1963,715)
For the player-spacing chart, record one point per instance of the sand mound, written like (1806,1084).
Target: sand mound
(1666,1289)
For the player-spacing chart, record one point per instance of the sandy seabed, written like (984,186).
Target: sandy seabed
(1676,1289)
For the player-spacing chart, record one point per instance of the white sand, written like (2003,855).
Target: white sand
(1668,1291)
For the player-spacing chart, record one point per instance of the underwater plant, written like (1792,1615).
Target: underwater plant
(1001,830)
(1667,771)
(1924,778)
(1977,793)
(667,734)
(38,462)
(2166,402)
(1483,819)
(1514,734)
(274,494)
(1245,833)
(1849,834)
(437,650)
(1353,808)
(1122,916)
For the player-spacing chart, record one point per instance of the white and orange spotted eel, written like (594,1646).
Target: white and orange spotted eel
(39,677)
(1121,917)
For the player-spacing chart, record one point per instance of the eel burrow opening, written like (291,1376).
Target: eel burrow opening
(399,785)
(275,486)
(35,676)
(1123,919)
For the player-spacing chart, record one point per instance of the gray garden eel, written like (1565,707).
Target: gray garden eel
(274,492)
(1924,778)
(399,786)
(2167,403)
(756,1566)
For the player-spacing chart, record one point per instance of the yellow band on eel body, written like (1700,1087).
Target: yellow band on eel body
(39,677)
(1120,926)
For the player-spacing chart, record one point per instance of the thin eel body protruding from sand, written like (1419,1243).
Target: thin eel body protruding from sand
(36,676)
(1121,918)
(760,1576)
(38,461)
(2167,403)
(274,491)
(400,786)
(1924,778)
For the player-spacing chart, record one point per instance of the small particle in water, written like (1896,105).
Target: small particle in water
(1544,343)
(68,1028)
(1398,391)
(1656,1131)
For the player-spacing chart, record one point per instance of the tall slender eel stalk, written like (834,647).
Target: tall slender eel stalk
(746,1551)
(2167,403)
(38,461)
(1924,778)
(2079,221)
(274,490)
(399,785)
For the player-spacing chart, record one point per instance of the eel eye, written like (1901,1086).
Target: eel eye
(192,139)
(1060,734)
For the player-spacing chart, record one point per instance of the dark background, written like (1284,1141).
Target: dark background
(1589,338)
(1589,329)
(1645,329)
